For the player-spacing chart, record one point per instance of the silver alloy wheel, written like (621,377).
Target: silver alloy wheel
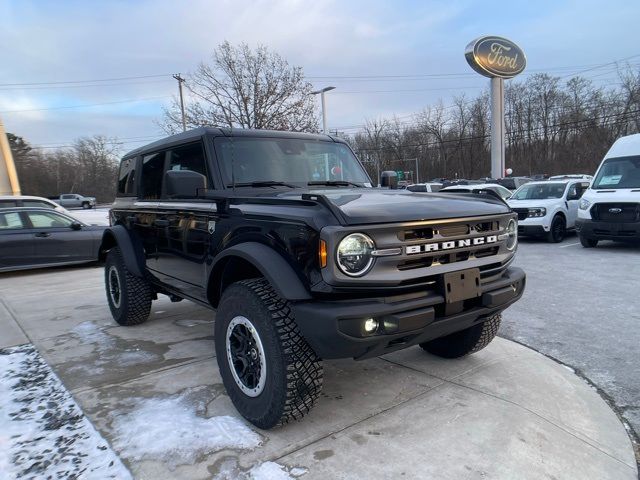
(115,289)
(246,357)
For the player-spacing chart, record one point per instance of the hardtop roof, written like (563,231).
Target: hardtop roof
(197,133)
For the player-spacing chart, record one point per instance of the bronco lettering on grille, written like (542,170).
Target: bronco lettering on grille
(436,247)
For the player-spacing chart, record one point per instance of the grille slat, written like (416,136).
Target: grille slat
(523,213)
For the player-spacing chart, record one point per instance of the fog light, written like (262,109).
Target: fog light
(370,325)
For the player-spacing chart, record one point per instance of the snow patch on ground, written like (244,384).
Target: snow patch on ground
(274,471)
(43,432)
(262,471)
(169,429)
(107,349)
(95,216)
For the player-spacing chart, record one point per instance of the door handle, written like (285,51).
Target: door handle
(43,234)
(161,223)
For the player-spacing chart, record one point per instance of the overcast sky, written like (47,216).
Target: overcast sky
(69,41)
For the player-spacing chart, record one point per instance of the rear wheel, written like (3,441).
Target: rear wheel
(558,230)
(588,242)
(465,342)
(129,297)
(270,372)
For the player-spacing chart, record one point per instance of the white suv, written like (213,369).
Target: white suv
(547,208)
(610,209)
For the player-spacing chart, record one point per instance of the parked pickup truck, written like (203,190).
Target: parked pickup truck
(70,200)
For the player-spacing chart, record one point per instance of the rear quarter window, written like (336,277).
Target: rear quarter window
(127,178)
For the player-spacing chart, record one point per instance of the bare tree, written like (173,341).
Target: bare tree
(246,88)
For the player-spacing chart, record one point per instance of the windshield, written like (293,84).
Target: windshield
(293,161)
(540,191)
(619,172)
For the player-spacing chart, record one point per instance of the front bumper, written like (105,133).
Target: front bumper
(418,317)
(607,230)
(532,230)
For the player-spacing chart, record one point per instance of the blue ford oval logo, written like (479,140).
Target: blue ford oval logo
(615,210)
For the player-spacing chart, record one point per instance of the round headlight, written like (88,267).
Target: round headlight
(512,232)
(354,254)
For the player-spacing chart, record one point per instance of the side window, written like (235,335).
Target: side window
(7,203)
(10,220)
(48,220)
(152,171)
(127,177)
(67,197)
(189,157)
(37,204)
(573,191)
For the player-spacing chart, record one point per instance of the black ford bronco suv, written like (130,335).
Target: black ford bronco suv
(283,235)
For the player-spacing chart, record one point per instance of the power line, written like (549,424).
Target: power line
(88,105)
(84,81)
(96,85)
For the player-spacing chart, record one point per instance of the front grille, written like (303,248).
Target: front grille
(616,212)
(523,213)
(448,233)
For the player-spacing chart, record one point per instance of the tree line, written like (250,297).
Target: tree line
(552,127)
(88,167)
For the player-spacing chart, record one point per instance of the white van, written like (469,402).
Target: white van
(610,208)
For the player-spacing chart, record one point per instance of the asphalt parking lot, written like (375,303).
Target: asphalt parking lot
(582,308)
(154,394)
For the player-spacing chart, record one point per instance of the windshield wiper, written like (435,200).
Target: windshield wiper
(334,183)
(264,183)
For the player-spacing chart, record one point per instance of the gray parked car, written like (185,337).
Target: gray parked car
(41,237)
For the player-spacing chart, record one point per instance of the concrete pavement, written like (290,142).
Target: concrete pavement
(506,412)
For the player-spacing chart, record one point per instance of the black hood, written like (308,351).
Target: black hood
(375,205)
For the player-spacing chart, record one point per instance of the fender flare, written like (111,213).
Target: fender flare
(272,266)
(129,245)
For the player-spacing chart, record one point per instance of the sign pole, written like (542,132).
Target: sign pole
(496,58)
(497,127)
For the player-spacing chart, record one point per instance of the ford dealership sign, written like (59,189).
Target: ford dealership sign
(495,57)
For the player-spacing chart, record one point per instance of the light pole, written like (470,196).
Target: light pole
(324,110)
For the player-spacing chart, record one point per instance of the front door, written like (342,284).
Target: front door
(55,241)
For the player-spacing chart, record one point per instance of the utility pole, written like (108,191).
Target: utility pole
(180,80)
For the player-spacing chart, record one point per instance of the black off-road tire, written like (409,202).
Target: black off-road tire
(465,342)
(294,372)
(133,304)
(588,242)
(558,230)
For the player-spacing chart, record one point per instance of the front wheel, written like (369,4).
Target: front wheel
(269,370)
(129,297)
(558,230)
(86,205)
(588,242)
(465,342)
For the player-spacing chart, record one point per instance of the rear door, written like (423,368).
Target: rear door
(55,241)
(16,241)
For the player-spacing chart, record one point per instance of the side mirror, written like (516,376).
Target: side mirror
(183,183)
(389,178)
(75,226)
